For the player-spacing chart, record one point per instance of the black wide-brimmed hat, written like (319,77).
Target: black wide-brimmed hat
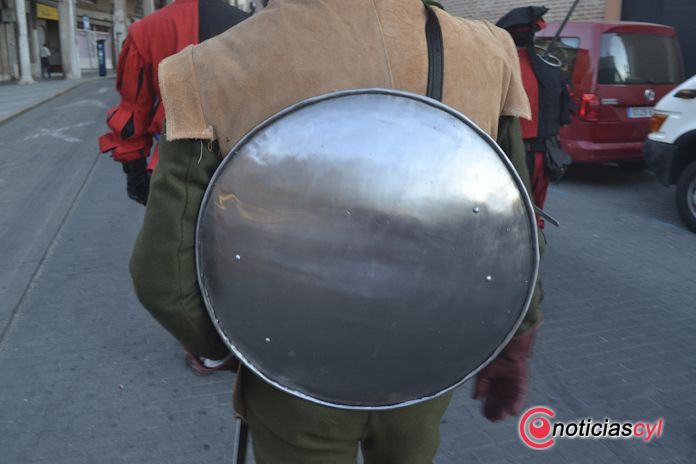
(522,16)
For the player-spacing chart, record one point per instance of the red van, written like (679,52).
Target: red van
(618,70)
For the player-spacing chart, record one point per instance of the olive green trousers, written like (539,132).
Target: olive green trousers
(289,430)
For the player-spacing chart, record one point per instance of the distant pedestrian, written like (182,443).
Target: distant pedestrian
(45,54)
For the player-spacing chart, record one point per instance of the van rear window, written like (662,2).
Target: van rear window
(638,59)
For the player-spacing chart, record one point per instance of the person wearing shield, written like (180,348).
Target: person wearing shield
(331,205)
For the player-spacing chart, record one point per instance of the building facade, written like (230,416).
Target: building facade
(71,30)
(680,14)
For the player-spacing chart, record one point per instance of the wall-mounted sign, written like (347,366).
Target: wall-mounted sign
(46,12)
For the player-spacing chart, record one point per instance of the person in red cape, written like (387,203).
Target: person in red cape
(136,122)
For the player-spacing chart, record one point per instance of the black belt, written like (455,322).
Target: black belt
(433,35)
(535,145)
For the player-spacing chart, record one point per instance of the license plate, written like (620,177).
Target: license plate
(640,112)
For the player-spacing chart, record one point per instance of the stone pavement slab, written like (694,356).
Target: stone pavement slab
(16,99)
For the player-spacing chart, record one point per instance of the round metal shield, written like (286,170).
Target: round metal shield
(366,249)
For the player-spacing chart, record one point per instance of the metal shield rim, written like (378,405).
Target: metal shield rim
(341,94)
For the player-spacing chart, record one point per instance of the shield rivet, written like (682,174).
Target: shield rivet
(489,278)
(237,257)
(477,209)
(268,340)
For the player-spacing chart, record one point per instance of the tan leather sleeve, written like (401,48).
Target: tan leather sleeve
(516,103)
(181,99)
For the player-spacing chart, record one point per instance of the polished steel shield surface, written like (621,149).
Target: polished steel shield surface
(366,249)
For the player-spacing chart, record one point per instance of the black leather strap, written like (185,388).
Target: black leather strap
(433,35)
(216,16)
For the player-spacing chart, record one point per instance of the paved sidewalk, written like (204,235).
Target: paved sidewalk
(16,99)
(88,377)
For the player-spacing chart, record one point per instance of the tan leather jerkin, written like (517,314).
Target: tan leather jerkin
(296,49)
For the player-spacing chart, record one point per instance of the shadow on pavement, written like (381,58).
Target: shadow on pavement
(607,175)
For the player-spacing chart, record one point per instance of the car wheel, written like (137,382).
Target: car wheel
(686,196)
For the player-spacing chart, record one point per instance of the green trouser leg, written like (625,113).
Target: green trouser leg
(408,435)
(288,430)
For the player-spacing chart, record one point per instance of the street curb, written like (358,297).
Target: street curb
(4,119)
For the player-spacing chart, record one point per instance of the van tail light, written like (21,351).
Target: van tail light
(589,107)
(687,94)
(657,121)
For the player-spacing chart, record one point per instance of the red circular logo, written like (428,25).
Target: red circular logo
(535,427)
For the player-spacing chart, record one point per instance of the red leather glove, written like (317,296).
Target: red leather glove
(502,384)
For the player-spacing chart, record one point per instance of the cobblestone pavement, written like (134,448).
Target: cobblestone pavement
(620,284)
(89,377)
